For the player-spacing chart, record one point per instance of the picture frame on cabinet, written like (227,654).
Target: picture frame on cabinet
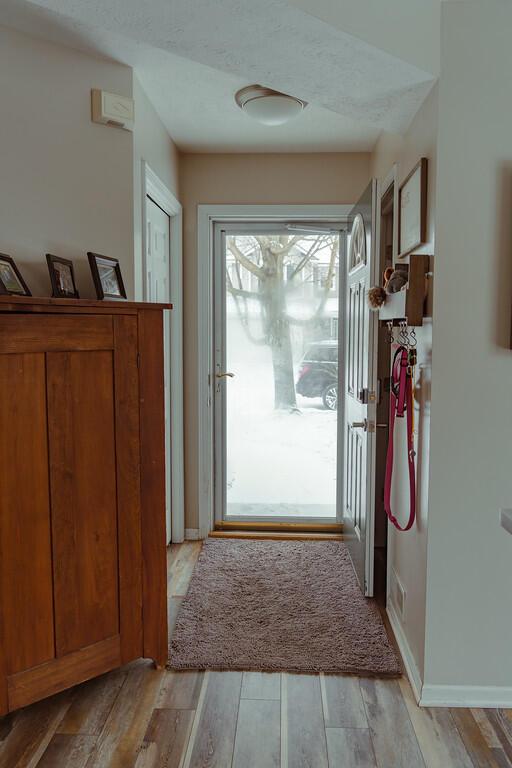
(62,277)
(106,273)
(11,281)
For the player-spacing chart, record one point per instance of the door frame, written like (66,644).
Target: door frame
(154,187)
(389,180)
(207,217)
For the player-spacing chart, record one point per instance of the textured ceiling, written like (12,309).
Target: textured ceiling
(191,55)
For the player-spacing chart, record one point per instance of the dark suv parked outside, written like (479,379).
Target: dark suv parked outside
(318,373)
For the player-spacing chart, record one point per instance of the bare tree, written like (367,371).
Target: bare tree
(278,266)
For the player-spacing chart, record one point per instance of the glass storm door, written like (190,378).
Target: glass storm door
(276,373)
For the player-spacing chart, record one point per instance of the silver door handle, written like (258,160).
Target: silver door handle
(224,374)
(360,425)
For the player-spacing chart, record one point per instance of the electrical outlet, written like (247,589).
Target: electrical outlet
(399,595)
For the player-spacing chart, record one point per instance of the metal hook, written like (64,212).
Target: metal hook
(403,335)
(390,331)
(413,339)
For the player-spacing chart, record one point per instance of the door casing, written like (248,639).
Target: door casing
(153,187)
(208,216)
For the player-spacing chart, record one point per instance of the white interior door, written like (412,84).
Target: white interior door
(360,389)
(158,290)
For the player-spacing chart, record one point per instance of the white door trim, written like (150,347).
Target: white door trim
(384,185)
(207,216)
(154,187)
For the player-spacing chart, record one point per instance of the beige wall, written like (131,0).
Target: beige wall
(259,179)
(408,551)
(66,183)
(469,616)
(151,143)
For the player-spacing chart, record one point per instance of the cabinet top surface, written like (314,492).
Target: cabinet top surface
(10,303)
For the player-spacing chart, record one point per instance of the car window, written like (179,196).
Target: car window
(322,354)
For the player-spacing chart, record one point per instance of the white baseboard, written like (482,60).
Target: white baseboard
(428,695)
(481,696)
(192,534)
(411,668)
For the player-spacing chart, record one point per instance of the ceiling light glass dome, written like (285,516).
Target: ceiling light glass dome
(267,106)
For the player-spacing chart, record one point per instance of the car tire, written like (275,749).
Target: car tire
(330,397)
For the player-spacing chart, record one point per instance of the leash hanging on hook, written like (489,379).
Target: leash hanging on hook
(400,405)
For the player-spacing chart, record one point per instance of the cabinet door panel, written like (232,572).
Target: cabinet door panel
(83,497)
(25,549)
(128,486)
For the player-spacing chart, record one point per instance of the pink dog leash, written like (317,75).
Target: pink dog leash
(400,402)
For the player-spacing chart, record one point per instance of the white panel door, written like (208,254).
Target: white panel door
(158,290)
(360,390)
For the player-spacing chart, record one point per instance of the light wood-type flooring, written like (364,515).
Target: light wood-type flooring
(138,717)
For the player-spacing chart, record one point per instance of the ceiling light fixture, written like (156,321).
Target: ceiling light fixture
(267,106)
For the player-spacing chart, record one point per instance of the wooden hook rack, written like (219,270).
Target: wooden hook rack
(409,303)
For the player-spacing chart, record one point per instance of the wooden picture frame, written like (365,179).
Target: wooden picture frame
(412,209)
(106,273)
(62,277)
(11,281)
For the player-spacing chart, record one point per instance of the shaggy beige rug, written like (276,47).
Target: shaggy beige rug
(293,606)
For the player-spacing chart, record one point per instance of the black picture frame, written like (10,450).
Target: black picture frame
(106,272)
(15,285)
(62,277)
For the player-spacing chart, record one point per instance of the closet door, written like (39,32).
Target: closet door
(77,610)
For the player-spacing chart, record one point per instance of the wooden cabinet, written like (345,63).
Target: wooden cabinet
(82,492)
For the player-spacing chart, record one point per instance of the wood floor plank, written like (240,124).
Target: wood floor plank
(258,734)
(437,734)
(486,728)
(481,754)
(505,719)
(166,739)
(394,741)
(32,730)
(501,725)
(126,724)
(93,704)
(213,734)
(342,702)
(6,726)
(182,568)
(261,685)
(180,690)
(350,748)
(173,606)
(303,741)
(67,751)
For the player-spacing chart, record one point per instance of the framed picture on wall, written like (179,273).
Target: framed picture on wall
(62,277)
(107,277)
(412,226)
(11,281)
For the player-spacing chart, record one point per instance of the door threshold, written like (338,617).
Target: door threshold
(261,525)
(276,535)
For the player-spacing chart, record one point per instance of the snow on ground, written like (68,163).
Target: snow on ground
(278,462)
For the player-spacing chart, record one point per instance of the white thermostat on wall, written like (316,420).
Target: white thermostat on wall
(112,109)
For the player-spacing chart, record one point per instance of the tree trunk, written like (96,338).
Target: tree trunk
(282,363)
(279,338)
